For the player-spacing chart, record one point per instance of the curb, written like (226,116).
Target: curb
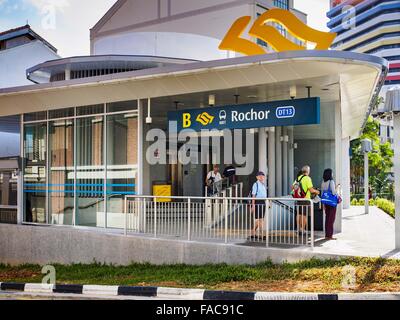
(187,294)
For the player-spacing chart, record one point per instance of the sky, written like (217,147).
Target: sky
(66,23)
(316,10)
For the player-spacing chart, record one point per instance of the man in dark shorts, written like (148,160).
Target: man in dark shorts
(259,196)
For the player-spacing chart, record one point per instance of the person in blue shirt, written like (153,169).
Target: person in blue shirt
(259,196)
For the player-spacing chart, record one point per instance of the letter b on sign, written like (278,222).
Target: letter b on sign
(186,120)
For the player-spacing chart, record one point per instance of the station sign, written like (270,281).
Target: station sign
(246,116)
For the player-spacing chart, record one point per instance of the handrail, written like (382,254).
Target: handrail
(225,215)
(215,198)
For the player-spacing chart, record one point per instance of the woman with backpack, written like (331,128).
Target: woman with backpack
(328,189)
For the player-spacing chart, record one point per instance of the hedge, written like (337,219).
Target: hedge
(383,204)
(386,205)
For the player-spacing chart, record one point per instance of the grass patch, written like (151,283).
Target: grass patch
(308,276)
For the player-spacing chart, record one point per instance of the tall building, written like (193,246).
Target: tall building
(372,27)
(368,26)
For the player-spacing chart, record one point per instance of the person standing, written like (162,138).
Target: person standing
(328,185)
(259,196)
(304,182)
(213,181)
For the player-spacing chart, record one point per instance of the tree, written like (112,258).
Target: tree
(380,160)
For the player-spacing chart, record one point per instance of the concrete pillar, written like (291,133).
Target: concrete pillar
(67,74)
(140,151)
(271,163)
(338,163)
(346,172)
(285,154)
(396,123)
(291,157)
(278,165)
(262,150)
(144,170)
(366,182)
(20,194)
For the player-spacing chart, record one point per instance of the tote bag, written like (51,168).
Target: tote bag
(328,198)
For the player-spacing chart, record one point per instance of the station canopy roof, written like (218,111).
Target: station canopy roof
(351,79)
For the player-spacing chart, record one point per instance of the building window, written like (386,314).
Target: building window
(35,172)
(79,164)
(122,160)
(8,197)
(61,173)
(277,26)
(36,116)
(90,171)
(283,4)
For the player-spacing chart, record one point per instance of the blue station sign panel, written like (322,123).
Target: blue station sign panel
(246,116)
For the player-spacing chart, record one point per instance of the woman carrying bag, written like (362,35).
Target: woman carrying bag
(330,199)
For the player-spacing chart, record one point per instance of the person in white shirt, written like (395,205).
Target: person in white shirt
(214,179)
(259,196)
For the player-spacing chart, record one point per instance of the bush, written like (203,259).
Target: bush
(386,206)
(354,202)
(361,202)
(372,202)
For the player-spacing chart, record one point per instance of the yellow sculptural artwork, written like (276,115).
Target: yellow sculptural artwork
(233,40)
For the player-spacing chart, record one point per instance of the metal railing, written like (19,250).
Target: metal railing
(233,191)
(273,221)
(8,214)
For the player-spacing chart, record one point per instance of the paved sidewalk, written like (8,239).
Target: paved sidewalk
(369,235)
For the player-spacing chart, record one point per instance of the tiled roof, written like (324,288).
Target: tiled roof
(24,30)
(10,31)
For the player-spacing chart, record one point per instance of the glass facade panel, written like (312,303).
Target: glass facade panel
(8,197)
(62,113)
(88,110)
(66,158)
(35,179)
(283,4)
(8,189)
(90,172)
(122,106)
(61,175)
(36,116)
(122,159)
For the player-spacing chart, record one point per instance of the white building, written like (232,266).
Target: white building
(175,28)
(20,49)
